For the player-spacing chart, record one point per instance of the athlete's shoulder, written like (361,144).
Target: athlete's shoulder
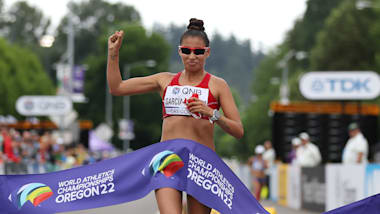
(164,78)
(165,74)
(218,80)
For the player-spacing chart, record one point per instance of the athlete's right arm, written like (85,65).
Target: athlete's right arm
(130,86)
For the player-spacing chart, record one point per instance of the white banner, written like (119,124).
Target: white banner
(344,184)
(362,85)
(372,180)
(294,187)
(43,105)
(273,183)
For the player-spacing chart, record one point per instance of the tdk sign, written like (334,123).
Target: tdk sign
(362,85)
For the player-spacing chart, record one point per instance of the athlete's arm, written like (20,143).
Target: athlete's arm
(130,86)
(230,121)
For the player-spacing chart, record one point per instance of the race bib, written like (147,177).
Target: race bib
(175,97)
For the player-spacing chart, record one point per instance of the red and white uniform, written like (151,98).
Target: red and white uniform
(175,96)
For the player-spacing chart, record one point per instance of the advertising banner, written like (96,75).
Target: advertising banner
(282,184)
(372,180)
(181,164)
(365,206)
(362,85)
(273,183)
(43,105)
(313,188)
(344,184)
(294,186)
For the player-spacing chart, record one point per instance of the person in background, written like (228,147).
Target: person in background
(269,157)
(356,149)
(1,154)
(257,168)
(269,154)
(292,157)
(308,154)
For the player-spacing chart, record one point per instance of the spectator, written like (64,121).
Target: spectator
(307,154)
(1,154)
(8,146)
(292,157)
(257,167)
(269,157)
(356,149)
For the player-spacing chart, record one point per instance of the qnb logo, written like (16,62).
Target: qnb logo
(166,162)
(29,105)
(176,90)
(36,193)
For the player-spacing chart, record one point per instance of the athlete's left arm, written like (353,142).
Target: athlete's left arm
(229,121)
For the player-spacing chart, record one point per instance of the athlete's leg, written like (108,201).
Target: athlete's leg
(169,201)
(257,189)
(195,207)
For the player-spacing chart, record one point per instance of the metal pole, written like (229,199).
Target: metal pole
(108,106)
(284,88)
(70,51)
(126,107)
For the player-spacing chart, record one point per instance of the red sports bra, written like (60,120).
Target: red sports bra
(212,102)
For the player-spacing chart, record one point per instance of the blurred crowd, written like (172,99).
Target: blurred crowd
(32,151)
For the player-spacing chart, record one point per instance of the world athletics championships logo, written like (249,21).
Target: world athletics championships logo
(36,193)
(166,162)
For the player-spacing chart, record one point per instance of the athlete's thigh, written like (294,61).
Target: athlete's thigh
(169,200)
(195,207)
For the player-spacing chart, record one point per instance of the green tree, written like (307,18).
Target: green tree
(91,19)
(138,47)
(346,43)
(21,74)
(24,25)
(303,35)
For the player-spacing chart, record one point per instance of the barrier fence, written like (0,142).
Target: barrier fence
(325,187)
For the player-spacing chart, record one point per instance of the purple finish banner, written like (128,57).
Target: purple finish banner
(181,164)
(365,206)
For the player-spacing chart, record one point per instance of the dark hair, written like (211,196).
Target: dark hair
(195,28)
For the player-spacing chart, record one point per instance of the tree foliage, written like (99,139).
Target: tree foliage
(20,74)
(92,19)
(24,24)
(346,43)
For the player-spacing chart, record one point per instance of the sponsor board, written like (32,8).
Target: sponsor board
(43,105)
(294,186)
(313,188)
(344,184)
(363,85)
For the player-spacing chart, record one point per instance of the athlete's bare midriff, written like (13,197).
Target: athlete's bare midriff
(187,127)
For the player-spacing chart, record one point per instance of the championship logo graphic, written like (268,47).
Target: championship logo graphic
(166,162)
(36,193)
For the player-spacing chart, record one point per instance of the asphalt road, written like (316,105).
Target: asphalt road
(148,205)
(284,210)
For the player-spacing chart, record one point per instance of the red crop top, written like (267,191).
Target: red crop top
(212,102)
